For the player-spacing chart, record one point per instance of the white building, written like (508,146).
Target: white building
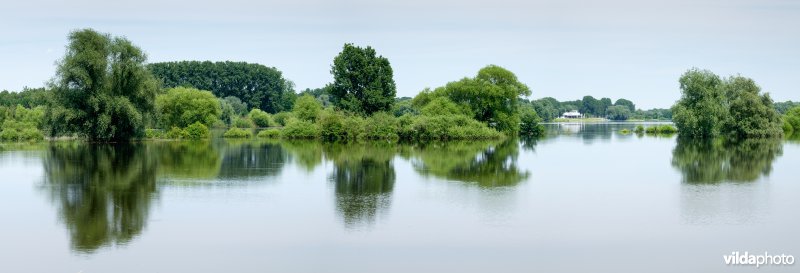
(572,114)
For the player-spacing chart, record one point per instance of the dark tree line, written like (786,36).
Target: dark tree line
(622,109)
(257,85)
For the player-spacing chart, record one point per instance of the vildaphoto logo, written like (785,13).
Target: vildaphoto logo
(745,258)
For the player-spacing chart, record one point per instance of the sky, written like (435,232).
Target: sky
(566,49)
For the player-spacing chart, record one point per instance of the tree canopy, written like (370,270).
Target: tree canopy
(711,106)
(255,84)
(492,97)
(102,89)
(362,82)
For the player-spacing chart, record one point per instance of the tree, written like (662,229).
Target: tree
(182,106)
(257,85)
(604,104)
(591,106)
(749,114)
(618,112)
(307,108)
(626,103)
(363,83)
(102,90)
(793,118)
(490,97)
(699,112)
(529,125)
(260,118)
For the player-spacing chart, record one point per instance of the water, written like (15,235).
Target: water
(586,198)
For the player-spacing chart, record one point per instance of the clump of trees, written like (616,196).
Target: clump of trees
(550,109)
(791,121)
(733,107)
(21,124)
(257,85)
(102,90)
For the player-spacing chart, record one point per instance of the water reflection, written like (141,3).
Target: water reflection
(188,159)
(248,160)
(103,192)
(363,177)
(704,162)
(484,163)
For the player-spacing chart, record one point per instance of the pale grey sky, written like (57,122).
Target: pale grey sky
(561,48)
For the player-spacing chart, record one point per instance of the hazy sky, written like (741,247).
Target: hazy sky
(565,49)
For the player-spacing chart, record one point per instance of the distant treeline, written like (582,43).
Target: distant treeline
(622,109)
(257,85)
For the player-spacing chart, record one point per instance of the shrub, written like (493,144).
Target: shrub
(381,125)
(31,134)
(667,129)
(299,129)
(787,128)
(307,107)
(153,133)
(238,133)
(242,122)
(530,123)
(177,133)
(260,118)
(197,131)
(9,134)
(184,106)
(639,129)
(651,130)
(353,126)
(448,127)
(331,125)
(282,117)
(269,133)
(625,131)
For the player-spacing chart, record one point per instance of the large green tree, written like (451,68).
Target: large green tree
(700,111)
(362,82)
(102,90)
(750,113)
(257,85)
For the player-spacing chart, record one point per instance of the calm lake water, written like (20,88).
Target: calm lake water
(586,198)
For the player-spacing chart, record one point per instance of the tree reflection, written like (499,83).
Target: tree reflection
(188,159)
(487,164)
(248,160)
(103,192)
(364,176)
(717,161)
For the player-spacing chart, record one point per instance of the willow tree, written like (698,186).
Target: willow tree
(102,90)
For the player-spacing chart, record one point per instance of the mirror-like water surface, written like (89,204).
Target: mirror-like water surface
(585,198)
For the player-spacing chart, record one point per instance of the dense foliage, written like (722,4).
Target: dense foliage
(792,121)
(491,97)
(182,106)
(102,90)
(21,124)
(711,106)
(618,112)
(549,109)
(307,108)
(28,97)
(362,82)
(257,85)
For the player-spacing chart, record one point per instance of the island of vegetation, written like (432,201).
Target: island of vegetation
(104,90)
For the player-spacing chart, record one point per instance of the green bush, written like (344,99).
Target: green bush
(639,129)
(238,133)
(153,133)
(625,131)
(380,125)
(177,133)
(667,129)
(448,127)
(331,125)
(197,131)
(651,130)
(787,128)
(530,123)
(299,129)
(270,133)
(260,118)
(307,107)
(31,134)
(282,117)
(242,122)
(184,106)
(9,135)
